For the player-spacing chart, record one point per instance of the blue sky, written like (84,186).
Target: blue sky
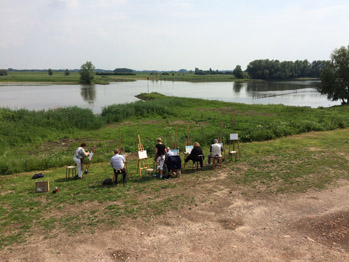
(168,35)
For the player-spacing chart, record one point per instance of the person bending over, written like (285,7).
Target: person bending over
(118,164)
(196,155)
(79,156)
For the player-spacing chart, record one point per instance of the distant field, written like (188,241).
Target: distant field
(73,78)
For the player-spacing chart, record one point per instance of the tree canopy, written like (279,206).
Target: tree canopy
(274,69)
(87,73)
(335,77)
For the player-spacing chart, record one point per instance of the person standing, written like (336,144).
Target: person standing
(79,156)
(160,155)
(118,164)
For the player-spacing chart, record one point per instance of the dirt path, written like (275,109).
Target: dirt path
(312,226)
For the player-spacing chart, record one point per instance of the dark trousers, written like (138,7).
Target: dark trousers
(120,171)
(198,158)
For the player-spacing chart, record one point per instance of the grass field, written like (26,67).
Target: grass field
(276,158)
(73,78)
(39,140)
(293,164)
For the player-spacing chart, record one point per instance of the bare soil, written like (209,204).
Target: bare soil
(224,225)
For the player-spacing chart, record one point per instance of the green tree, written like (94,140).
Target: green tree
(3,72)
(50,71)
(87,73)
(66,72)
(335,77)
(238,73)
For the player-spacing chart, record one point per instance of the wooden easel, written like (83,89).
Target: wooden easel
(234,141)
(175,147)
(89,160)
(221,140)
(142,159)
(122,151)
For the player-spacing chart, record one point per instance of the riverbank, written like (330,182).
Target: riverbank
(37,140)
(74,78)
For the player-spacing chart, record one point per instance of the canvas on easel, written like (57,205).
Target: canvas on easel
(142,159)
(234,141)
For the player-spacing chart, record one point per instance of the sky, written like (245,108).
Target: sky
(168,34)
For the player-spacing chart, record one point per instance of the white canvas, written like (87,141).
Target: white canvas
(175,152)
(234,137)
(188,149)
(90,156)
(142,154)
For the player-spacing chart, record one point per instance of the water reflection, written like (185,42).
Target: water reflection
(264,86)
(88,93)
(237,86)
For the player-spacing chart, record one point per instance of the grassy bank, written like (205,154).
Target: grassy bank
(73,78)
(291,164)
(45,139)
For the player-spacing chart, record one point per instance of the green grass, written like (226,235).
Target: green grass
(74,77)
(39,140)
(291,164)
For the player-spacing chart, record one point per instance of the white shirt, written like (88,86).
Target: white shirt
(117,161)
(169,153)
(216,150)
(80,152)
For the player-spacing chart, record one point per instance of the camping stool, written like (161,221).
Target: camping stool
(72,169)
(219,161)
(233,153)
(149,171)
(197,163)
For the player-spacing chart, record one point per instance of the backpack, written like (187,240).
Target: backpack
(39,175)
(107,181)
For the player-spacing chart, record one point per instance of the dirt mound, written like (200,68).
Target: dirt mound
(331,230)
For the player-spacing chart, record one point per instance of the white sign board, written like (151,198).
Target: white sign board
(142,154)
(234,137)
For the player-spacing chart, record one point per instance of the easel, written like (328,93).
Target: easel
(122,151)
(89,160)
(221,142)
(91,155)
(175,147)
(234,140)
(188,144)
(142,159)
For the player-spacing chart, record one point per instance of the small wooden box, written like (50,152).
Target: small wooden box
(42,186)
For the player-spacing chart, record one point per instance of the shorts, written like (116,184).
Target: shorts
(161,161)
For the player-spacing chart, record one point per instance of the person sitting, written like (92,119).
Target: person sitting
(196,155)
(160,155)
(168,152)
(79,156)
(215,151)
(118,164)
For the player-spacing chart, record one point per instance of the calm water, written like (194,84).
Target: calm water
(298,93)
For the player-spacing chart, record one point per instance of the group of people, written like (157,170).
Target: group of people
(162,153)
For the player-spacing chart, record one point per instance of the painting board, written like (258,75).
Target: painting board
(234,137)
(142,154)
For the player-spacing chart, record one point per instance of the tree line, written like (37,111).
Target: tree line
(274,69)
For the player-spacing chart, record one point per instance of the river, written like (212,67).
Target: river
(95,97)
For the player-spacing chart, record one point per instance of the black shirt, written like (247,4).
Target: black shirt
(161,149)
